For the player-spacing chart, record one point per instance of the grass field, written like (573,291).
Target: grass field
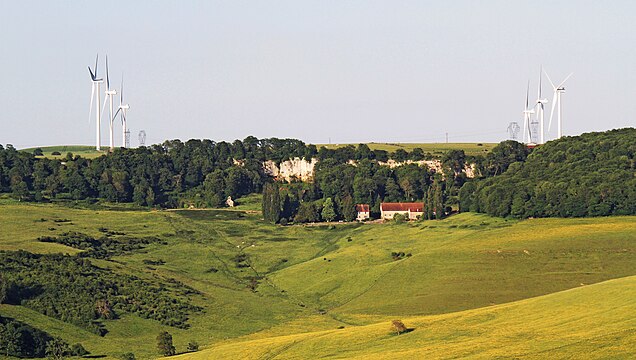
(471,282)
(84,151)
(436,149)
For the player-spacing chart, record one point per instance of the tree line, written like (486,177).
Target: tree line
(589,175)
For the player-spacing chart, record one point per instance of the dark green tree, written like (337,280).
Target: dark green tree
(164,344)
(328,210)
(271,203)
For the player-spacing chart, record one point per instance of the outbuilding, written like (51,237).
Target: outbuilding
(363,212)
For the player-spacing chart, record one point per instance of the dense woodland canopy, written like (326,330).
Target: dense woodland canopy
(589,175)
(204,173)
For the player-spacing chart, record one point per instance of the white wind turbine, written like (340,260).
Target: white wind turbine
(123,108)
(541,110)
(556,101)
(95,95)
(109,93)
(527,115)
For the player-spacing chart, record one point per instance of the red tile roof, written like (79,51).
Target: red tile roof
(362,207)
(412,207)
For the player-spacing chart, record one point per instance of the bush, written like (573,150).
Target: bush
(399,218)
(398,326)
(164,344)
(127,356)
(193,346)
(56,153)
(78,350)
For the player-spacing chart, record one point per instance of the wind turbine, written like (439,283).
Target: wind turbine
(123,109)
(540,109)
(556,101)
(95,95)
(527,114)
(109,93)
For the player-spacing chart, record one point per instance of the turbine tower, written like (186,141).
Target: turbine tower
(96,95)
(513,130)
(556,101)
(109,93)
(541,110)
(123,108)
(527,116)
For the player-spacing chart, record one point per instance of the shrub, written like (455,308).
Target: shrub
(127,356)
(398,326)
(164,344)
(56,153)
(399,218)
(193,346)
(78,350)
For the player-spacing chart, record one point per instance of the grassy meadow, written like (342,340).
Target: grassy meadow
(470,285)
(436,149)
(84,151)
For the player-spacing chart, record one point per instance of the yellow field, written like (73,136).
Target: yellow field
(594,321)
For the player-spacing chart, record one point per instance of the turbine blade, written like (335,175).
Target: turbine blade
(527,92)
(550,80)
(90,111)
(121,92)
(91,72)
(566,79)
(538,91)
(107,77)
(552,111)
(96,59)
(114,116)
(101,115)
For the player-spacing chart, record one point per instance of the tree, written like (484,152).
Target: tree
(399,327)
(38,152)
(78,350)
(193,346)
(164,344)
(328,210)
(307,212)
(271,203)
(56,349)
(349,212)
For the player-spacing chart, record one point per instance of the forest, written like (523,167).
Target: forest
(589,175)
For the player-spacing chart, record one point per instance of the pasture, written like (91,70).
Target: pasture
(266,287)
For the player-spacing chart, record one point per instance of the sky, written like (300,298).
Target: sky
(320,71)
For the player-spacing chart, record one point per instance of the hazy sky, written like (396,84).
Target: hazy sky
(349,71)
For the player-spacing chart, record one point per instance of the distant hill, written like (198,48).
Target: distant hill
(589,175)
(85,151)
(436,149)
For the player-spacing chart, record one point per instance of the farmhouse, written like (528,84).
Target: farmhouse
(363,212)
(411,210)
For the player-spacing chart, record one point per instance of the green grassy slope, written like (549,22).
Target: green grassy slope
(591,322)
(437,149)
(317,278)
(84,151)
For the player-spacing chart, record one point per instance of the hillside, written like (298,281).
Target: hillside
(592,322)
(260,280)
(436,149)
(589,175)
(81,150)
